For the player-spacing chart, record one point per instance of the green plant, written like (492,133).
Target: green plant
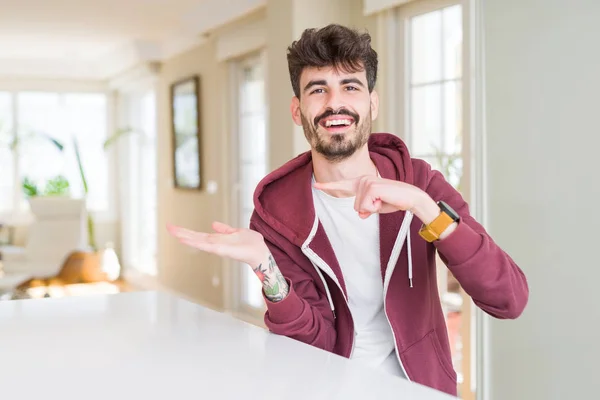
(117,135)
(450,167)
(57,186)
(91,225)
(90,219)
(60,185)
(30,188)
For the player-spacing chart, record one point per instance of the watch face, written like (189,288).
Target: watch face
(448,210)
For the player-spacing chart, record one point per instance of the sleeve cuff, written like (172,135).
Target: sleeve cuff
(460,245)
(287,310)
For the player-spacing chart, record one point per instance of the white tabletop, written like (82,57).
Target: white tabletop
(151,345)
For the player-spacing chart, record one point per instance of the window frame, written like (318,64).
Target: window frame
(395,42)
(234,294)
(61,88)
(130,149)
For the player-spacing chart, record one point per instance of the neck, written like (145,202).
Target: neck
(357,165)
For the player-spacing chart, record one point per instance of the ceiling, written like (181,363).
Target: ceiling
(90,39)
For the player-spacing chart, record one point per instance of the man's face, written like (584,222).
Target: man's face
(336,110)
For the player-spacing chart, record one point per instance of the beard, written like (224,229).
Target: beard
(337,147)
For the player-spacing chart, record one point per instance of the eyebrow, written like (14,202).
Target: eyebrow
(315,83)
(322,82)
(352,80)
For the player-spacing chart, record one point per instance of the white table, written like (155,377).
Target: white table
(151,345)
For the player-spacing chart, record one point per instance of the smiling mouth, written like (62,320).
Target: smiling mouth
(336,125)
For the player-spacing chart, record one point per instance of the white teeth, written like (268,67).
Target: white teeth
(337,122)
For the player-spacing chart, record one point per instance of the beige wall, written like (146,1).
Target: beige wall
(195,274)
(199,276)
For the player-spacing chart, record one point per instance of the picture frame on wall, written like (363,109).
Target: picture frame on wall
(186,134)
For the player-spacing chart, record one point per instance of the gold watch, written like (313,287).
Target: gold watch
(432,231)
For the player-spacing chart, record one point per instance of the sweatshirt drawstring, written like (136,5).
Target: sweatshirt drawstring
(410,266)
(403,236)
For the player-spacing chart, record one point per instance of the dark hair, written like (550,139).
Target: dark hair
(332,46)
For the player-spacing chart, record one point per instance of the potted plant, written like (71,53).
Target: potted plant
(56,193)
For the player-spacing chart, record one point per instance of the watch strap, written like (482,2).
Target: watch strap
(432,231)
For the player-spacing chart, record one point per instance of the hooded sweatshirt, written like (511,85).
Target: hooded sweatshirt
(316,311)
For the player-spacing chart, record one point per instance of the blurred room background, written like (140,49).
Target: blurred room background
(117,118)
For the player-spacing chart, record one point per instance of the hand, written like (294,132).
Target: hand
(241,244)
(377,195)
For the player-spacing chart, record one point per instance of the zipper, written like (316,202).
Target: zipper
(400,239)
(319,265)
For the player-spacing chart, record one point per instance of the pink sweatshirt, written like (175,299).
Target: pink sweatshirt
(316,310)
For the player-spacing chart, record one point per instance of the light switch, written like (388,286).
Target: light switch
(211,187)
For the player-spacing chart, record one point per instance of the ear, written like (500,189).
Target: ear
(295,110)
(374,105)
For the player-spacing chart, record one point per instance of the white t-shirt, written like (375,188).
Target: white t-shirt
(355,242)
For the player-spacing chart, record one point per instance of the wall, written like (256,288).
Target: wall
(194,274)
(542,127)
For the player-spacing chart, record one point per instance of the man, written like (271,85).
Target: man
(344,237)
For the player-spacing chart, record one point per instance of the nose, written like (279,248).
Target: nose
(335,100)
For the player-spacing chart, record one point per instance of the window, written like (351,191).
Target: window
(430,39)
(148,186)
(30,119)
(250,149)
(137,116)
(7,170)
(435,90)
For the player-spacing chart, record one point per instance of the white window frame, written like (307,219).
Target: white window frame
(130,148)
(128,91)
(394,35)
(14,87)
(235,303)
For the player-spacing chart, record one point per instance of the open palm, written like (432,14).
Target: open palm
(240,244)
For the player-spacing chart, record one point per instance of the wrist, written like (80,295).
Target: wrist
(260,257)
(425,208)
(429,211)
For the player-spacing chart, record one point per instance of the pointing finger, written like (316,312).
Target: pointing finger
(348,186)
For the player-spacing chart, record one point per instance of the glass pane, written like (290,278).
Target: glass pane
(44,117)
(426,47)
(253,138)
(7,185)
(453,37)
(452,117)
(85,118)
(252,161)
(253,96)
(39,120)
(451,166)
(252,288)
(426,120)
(434,161)
(251,176)
(148,185)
